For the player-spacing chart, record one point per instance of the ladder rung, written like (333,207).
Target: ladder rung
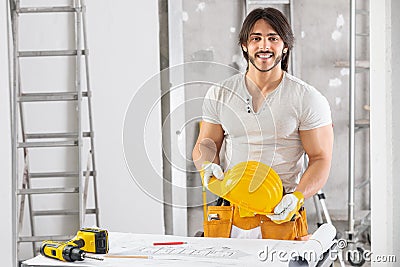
(46,9)
(50,135)
(87,134)
(363,123)
(53,53)
(57,174)
(91,173)
(268,2)
(52,174)
(32,191)
(362,12)
(39,97)
(55,135)
(47,237)
(48,144)
(60,212)
(363,64)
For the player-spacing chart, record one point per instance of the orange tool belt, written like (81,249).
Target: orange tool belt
(219,221)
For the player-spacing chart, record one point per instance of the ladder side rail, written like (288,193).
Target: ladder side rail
(320,221)
(89,99)
(321,197)
(351,166)
(21,129)
(246,9)
(87,177)
(293,54)
(17,111)
(78,88)
(12,42)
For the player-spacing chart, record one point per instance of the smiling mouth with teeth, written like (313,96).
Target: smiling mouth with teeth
(264,55)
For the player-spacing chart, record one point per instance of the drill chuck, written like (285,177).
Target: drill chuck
(71,253)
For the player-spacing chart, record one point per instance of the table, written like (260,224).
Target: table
(197,251)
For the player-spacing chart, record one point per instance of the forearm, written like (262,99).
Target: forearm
(315,177)
(205,150)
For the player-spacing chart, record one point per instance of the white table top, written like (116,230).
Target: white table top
(198,251)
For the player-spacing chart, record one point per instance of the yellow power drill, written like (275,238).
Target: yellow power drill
(92,240)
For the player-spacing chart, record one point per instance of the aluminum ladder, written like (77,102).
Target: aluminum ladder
(76,146)
(357,66)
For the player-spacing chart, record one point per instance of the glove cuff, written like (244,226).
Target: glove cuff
(300,197)
(203,166)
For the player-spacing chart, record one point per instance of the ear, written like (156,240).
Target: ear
(244,48)
(285,50)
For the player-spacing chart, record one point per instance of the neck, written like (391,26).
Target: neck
(266,82)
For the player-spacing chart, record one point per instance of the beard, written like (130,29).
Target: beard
(276,62)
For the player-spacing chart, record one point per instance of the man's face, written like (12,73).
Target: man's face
(265,47)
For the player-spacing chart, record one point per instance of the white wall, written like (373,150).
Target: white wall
(124,53)
(385,147)
(396,122)
(124,49)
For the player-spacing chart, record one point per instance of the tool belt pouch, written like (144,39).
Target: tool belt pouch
(283,231)
(301,224)
(291,230)
(221,218)
(219,221)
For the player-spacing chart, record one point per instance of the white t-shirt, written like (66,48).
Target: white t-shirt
(270,135)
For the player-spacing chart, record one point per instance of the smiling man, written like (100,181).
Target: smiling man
(269,116)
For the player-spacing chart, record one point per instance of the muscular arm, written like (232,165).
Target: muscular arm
(318,145)
(208,144)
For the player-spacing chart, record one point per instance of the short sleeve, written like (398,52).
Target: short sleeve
(210,106)
(315,111)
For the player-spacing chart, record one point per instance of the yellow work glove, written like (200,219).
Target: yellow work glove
(208,170)
(287,207)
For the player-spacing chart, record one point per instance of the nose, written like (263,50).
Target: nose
(264,45)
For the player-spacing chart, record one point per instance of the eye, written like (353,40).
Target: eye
(273,39)
(255,38)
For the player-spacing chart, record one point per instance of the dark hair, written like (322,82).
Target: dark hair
(278,22)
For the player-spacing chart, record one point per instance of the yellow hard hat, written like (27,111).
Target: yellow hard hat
(253,186)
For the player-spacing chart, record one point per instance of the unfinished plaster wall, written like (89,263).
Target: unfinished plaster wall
(322,50)
(321,30)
